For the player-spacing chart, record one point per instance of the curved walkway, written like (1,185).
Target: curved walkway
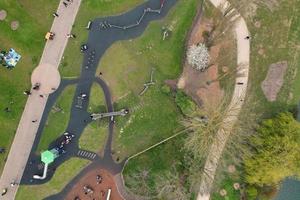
(243,58)
(35,105)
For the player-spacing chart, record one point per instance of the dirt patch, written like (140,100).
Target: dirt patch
(200,27)
(3,15)
(195,83)
(172,84)
(261,52)
(274,80)
(100,190)
(14,25)
(211,93)
(257,24)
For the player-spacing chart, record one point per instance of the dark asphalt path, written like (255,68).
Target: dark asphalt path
(99,41)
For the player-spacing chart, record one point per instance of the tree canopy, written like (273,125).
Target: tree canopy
(277,151)
(198,56)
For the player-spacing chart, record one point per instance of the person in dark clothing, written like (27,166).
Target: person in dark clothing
(2,150)
(27,92)
(55,15)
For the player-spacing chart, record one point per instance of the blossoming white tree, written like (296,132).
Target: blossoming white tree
(198,56)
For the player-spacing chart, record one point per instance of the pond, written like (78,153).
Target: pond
(289,190)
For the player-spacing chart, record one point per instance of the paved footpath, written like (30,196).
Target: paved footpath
(243,57)
(34,108)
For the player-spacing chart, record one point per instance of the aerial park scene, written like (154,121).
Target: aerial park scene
(102,33)
(149,100)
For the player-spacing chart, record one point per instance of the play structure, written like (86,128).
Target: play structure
(47,158)
(122,112)
(148,84)
(9,59)
(108,194)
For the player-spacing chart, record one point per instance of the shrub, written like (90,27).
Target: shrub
(185,103)
(251,192)
(165,89)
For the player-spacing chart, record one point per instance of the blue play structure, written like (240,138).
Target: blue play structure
(9,59)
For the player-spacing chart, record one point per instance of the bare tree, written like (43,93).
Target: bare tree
(202,127)
(169,186)
(137,183)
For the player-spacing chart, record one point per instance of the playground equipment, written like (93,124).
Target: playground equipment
(47,158)
(148,84)
(88,190)
(108,194)
(96,116)
(9,59)
(88,26)
(80,99)
(49,36)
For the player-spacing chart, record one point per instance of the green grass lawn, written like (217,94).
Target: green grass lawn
(28,40)
(276,35)
(57,121)
(89,10)
(97,99)
(62,176)
(154,116)
(226,184)
(279,44)
(94,137)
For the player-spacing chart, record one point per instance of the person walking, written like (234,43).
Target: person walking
(65,4)
(55,15)
(27,92)
(4,191)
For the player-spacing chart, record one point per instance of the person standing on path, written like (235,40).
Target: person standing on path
(55,15)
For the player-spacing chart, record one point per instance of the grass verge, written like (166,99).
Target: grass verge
(57,121)
(93,138)
(62,176)
(154,116)
(89,10)
(29,41)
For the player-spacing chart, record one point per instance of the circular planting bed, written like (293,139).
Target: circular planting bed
(3,15)
(14,25)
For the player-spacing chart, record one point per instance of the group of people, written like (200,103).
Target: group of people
(55,14)
(4,190)
(66,139)
(99,179)
(67,2)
